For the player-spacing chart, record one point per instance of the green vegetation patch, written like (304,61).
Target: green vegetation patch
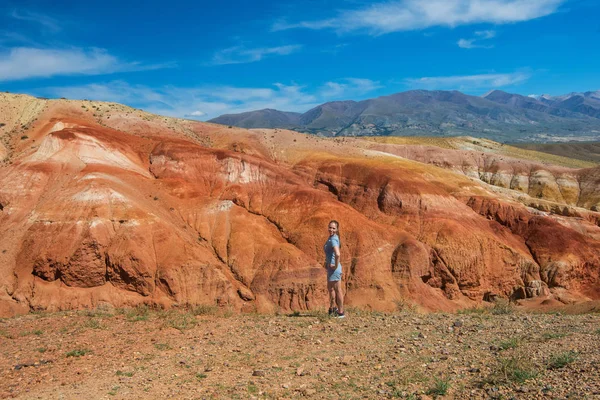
(516,369)
(178,320)
(78,353)
(589,152)
(503,307)
(162,346)
(511,343)
(204,309)
(473,311)
(93,323)
(553,335)
(6,334)
(139,313)
(440,387)
(561,360)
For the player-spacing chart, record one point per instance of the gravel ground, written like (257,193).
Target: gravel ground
(209,353)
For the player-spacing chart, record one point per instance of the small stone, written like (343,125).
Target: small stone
(258,372)
(458,323)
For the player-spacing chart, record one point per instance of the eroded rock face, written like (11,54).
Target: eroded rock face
(567,186)
(170,212)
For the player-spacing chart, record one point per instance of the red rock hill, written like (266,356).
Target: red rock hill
(101,203)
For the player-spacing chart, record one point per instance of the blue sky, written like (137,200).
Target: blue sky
(201,59)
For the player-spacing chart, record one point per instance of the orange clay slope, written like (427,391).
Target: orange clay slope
(101,203)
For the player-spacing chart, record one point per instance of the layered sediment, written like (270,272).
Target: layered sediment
(101,203)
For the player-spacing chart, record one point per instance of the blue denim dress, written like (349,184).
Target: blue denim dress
(332,275)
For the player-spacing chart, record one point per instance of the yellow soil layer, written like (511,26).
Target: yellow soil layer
(483,145)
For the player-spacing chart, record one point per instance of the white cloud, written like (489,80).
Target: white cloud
(27,62)
(485,34)
(197,103)
(468,82)
(336,49)
(47,22)
(348,87)
(197,114)
(479,37)
(242,55)
(466,43)
(211,101)
(405,15)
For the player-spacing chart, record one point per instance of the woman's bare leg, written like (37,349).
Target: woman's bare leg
(339,296)
(331,291)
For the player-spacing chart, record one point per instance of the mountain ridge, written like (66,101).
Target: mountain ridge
(496,115)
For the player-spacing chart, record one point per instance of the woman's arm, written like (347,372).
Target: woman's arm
(336,254)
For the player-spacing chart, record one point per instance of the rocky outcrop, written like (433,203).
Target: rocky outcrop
(555,186)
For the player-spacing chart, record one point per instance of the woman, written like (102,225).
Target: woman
(334,271)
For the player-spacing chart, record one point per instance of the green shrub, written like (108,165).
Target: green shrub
(502,307)
(561,360)
(162,346)
(204,309)
(516,369)
(179,320)
(472,310)
(78,353)
(93,324)
(139,313)
(509,344)
(551,335)
(440,387)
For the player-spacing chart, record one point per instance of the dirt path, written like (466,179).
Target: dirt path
(143,354)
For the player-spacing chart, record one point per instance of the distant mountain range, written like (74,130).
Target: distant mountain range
(497,115)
